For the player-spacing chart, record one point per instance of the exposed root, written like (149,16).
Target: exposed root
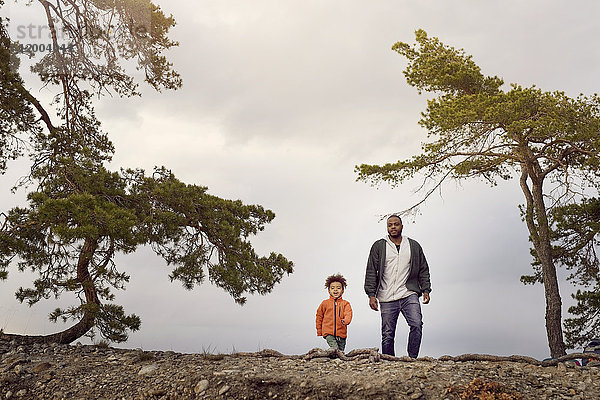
(373,355)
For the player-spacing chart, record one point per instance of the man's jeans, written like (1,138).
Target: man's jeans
(411,309)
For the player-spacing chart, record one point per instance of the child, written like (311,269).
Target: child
(334,314)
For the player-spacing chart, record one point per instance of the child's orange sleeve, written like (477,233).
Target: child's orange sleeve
(319,320)
(347,314)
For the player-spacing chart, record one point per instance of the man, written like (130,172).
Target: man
(397,275)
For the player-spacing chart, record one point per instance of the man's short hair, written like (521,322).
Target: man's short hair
(394,216)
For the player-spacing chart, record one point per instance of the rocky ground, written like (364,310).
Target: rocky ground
(96,372)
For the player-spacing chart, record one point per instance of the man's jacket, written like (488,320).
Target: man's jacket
(418,278)
(330,314)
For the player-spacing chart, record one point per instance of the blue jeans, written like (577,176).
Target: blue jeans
(411,309)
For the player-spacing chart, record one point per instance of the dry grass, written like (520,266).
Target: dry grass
(484,390)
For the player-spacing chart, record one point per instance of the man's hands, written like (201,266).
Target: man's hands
(426,297)
(375,306)
(373,303)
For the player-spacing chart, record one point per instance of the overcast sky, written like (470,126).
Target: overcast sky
(281,99)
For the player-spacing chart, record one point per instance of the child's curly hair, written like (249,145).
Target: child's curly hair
(335,278)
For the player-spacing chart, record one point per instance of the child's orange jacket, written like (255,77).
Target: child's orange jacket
(333,316)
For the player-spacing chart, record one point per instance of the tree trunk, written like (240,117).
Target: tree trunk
(551,289)
(89,308)
(539,230)
(67,336)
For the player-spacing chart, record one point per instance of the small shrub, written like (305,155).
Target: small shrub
(213,357)
(207,354)
(103,344)
(142,356)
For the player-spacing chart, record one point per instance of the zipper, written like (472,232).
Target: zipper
(334,317)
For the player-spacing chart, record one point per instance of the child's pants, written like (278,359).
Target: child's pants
(336,342)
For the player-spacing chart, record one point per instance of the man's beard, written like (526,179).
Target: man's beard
(397,235)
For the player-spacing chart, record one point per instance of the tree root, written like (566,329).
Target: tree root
(373,355)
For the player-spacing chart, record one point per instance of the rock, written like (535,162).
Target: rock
(224,390)
(416,395)
(148,369)
(43,366)
(201,386)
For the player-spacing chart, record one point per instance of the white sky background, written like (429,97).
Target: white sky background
(281,99)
